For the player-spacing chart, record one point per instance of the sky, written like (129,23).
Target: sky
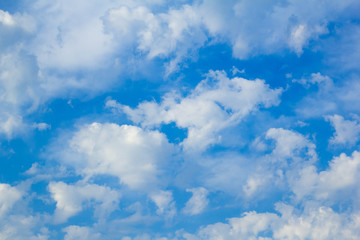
(179,120)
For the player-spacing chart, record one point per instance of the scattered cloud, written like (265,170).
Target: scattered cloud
(215,104)
(71,198)
(277,142)
(198,201)
(347,132)
(133,155)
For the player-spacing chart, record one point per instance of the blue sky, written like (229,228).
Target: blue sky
(183,120)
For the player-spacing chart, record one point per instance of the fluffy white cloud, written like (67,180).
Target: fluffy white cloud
(6,18)
(20,93)
(8,197)
(312,223)
(265,27)
(215,104)
(23,21)
(198,201)
(18,227)
(338,183)
(73,46)
(289,143)
(71,198)
(347,133)
(176,32)
(164,202)
(72,36)
(136,156)
(257,176)
(292,151)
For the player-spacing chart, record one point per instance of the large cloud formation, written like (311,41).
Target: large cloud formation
(120,117)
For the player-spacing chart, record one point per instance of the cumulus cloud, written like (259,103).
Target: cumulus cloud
(72,46)
(71,198)
(198,201)
(312,223)
(20,227)
(165,203)
(215,104)
(292,151)
(261,28)
(72,36)
(332,184)
(288,144)
(133,155)
(8,197)
(20,93)
(257,176)
(159,35)
(347,132)
(61,48)
(23,21)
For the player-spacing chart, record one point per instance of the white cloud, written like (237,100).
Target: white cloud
(23,21)
(20,93)
(136,156)
(8,197)
(254,28)
(288,144)
(6,18)
(254,183)
(291,151)
(336,184)
(71,36)
(18,227)
(256,175)
(101,33)
(325,82)
(71,198)
(347,133)
(80,233)
(320,223)
(312,223)
(108,38)
(198,201)
(41,126)
(215,104)
(250,226)
(11,125)
(165,203)
(175,32)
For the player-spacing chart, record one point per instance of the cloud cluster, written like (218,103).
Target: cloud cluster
(63,50)
(313,223)
(127,171)
(133,155)
(346,132)
(216,103)
(8,197)
(71,198)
